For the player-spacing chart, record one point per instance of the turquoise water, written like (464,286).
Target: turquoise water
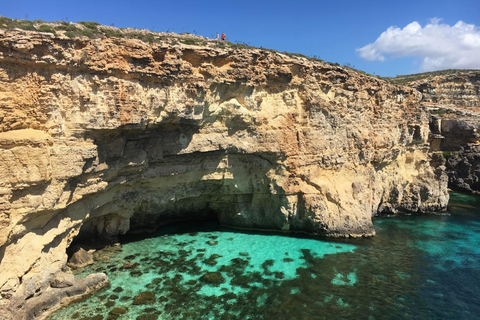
(417,267)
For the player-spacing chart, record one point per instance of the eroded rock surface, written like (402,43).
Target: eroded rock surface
(453,99)
(103,136)
(460,145)
(461,89)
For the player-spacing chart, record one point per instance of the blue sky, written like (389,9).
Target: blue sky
(334,31)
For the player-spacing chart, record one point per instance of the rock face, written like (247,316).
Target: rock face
(460,145)
(461,89)
(99,137)
(455,99)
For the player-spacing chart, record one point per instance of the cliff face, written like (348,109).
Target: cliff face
(454,99)
(460,143)
(103,136)
(461,89)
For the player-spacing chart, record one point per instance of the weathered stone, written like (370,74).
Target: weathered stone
(80,258)
(62,280)
(460,89)
(46,302)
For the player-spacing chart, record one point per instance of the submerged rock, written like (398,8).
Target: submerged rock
(242,281)
(130,265)
(147,316)
(136,273)
(95,317)
(118,311)
(212,260)
(213,278)
(147,297)
(118,289)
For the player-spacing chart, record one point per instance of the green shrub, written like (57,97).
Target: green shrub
(70,34)
(447,154)
(4,21)
(24,25)
(67,27)
(438,112)
(46,28)
(150,38)
(112,33)
(90,24)
(87,33)
(189,41)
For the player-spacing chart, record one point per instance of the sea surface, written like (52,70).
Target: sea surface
(417,267)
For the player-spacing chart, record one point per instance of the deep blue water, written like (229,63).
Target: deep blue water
(417,267)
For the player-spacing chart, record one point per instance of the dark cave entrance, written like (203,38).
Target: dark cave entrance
(93,235)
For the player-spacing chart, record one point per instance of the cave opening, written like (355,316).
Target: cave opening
(94,234)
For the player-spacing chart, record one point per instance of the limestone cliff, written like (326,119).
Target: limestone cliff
(453,98)
(103,136)
(460,88)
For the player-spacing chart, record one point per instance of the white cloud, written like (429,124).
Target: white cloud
(439,45)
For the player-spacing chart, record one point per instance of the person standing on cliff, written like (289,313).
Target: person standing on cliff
(218,38)
(223,36)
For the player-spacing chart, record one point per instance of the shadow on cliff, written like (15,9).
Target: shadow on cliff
(132,145)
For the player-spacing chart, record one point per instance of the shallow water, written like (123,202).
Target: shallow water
(417,267)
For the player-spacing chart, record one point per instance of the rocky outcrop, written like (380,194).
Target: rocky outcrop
(59,294)
(453,98)
(459,142)
(102,136)
(461,89)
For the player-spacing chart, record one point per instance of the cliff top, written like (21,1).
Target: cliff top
(94,30)
(407,79)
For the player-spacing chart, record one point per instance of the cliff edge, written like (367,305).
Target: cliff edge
(103,136)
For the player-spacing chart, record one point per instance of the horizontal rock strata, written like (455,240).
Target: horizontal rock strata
(102,136)
(461,89)
(453,98)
